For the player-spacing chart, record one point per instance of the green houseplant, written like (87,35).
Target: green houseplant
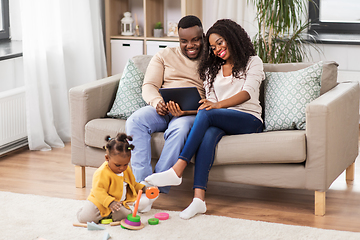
(158,30)
(282,30)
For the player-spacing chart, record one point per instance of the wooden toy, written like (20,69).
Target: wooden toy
(152,192)
(133,221)
(115,223)
(89,226)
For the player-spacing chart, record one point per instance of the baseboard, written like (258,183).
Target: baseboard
(13,146)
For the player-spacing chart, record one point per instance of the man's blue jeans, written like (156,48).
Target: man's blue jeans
(140,125)
(208,129)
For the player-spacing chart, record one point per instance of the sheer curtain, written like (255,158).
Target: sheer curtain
(241,11)
(62,47)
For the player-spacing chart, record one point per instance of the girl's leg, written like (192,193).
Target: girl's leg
(145,203)
(89,213)
(121,214)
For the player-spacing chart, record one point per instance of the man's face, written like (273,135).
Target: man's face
(191,41)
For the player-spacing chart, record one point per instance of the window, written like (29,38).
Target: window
(4,19)
(334,16)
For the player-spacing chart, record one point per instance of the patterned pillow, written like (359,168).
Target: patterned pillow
(286,95)
(128,97)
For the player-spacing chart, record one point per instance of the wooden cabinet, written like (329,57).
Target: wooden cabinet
(121,48)
(148,12)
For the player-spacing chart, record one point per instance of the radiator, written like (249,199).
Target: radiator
(13,132)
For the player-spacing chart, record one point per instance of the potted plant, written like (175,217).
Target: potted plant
(158,30)
(282,31)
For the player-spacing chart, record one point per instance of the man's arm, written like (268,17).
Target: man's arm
(176,111)
(153,80)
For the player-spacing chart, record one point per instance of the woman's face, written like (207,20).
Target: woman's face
(219,46)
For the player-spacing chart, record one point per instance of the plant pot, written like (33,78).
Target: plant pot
(158,32)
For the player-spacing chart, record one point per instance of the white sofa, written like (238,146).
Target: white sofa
(301,159)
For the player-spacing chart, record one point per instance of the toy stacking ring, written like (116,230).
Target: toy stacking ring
(106,221)
(153,221)
(162,216)
(152,192)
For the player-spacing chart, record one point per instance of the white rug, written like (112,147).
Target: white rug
(28,217)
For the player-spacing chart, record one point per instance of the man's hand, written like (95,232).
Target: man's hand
(115,206)
(161,108)
(207,105)
(174,109)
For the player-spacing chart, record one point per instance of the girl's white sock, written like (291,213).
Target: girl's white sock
(148,207)
(195,207)
(144,203)
(166,178)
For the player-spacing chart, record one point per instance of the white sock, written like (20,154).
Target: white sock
(195,207)
(144,202)
(148,207)
(146,184)
(166,178)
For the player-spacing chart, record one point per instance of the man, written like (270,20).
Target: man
(171,67)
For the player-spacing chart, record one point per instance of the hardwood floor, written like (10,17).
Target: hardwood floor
(52,174)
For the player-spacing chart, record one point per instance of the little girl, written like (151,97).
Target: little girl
(114,186)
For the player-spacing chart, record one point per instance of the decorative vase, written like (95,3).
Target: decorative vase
(158,33)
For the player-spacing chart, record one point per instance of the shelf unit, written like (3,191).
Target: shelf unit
(148,12)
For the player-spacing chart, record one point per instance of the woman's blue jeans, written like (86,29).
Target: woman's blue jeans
(208,129)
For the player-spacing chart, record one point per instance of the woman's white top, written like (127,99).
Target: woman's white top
(249,81)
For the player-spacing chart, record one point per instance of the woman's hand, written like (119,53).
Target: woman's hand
(115,206)
(161,108)
(174,109)
(207,105)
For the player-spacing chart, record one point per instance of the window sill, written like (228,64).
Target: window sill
(10,49)
(331,38)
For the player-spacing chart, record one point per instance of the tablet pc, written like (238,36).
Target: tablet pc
(187,97)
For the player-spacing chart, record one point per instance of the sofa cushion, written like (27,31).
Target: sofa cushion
(269,147)
(128,96)
(96,130)
(287,94)
(266,147)
(328,77)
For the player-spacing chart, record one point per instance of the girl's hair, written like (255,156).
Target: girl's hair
(238,43)
(118,144)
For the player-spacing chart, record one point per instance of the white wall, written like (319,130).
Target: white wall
(347,56)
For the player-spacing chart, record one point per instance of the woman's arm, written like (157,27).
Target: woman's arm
(238,98)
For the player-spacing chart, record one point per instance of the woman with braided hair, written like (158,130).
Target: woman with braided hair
(232,75)
(114,189)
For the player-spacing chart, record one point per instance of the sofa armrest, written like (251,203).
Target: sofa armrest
(332,131)
(89,101)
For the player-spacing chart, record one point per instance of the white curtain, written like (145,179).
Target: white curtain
(241,11)
(62,48)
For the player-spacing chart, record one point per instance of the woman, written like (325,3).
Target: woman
(232,74)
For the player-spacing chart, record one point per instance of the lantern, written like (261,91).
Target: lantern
(127,24)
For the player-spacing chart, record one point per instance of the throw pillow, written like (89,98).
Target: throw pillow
(128,96)
(286,95)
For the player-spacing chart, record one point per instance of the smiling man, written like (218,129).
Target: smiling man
(169,68)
